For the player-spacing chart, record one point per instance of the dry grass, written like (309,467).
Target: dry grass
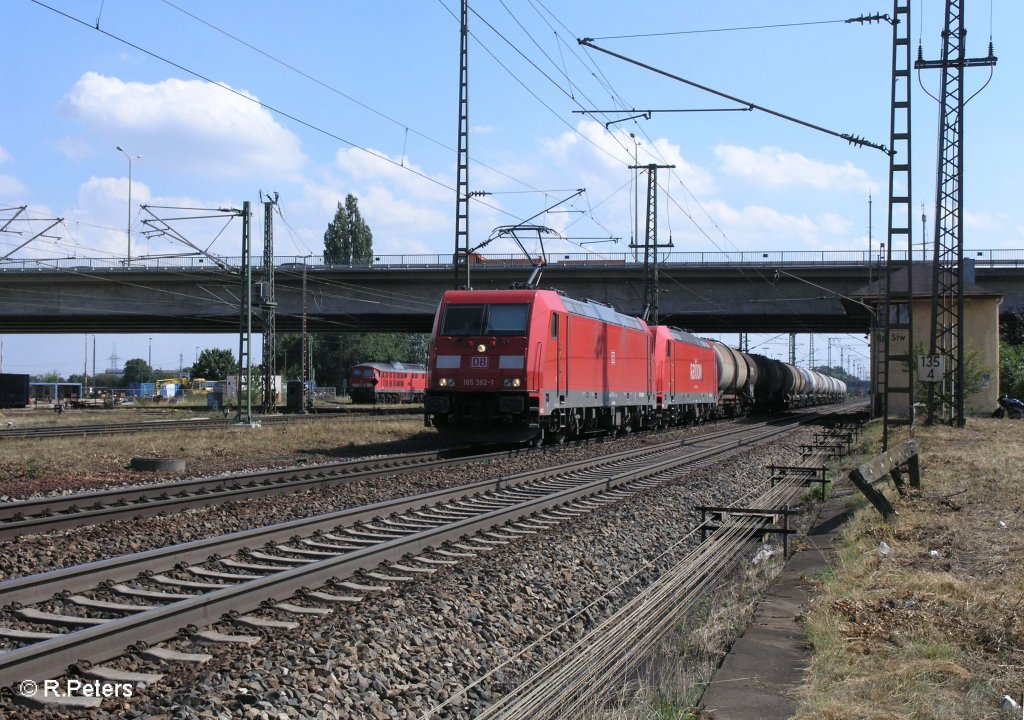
(935,629)
(71,463)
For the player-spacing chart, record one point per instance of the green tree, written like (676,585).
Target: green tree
(105,380)
(215,364)
(137,370)
(51,377)
(348,239)
(1011,326)
(836,372)
(1011,370)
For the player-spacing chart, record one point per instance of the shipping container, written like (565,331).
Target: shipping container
(13,390)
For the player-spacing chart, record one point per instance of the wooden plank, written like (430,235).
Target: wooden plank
(887,465)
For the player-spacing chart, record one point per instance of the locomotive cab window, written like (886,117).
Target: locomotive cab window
(461,320)
(554,325)
(507,319)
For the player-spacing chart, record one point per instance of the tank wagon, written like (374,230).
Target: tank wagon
(528,364)
(390,382)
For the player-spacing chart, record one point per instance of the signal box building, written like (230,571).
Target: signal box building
(981,336)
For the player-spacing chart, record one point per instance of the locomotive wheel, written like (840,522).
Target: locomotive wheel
(559,437)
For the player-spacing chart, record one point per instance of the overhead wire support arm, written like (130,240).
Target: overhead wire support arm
(20,209)
(850,138)
(53,224)
(646,114)
(162,226)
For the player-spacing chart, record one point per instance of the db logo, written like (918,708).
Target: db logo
(696,371)
(478,361)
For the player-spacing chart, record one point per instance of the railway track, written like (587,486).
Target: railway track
(149,597)
(195,423)
(60,512)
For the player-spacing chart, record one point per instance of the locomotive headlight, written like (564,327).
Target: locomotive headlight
(446,382)
(481,348)
(511,382)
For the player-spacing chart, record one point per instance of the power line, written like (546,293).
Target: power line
(719,30)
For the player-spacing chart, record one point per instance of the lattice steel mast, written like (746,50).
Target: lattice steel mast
(461,258)
(651,245)
(946,398)
(895,366)
(244,414)
(268,306)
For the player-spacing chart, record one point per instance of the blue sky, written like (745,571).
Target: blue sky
(368,93)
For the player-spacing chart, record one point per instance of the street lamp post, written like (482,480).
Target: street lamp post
(130,158)
(149,361)
(636,183)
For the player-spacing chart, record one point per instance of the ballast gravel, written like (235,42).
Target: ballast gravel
(419,646)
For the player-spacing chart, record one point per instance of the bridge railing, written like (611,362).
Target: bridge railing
(296,263)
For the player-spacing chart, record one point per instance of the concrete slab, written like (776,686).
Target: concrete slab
(765,666)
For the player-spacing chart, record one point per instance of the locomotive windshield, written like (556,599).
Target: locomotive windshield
(507,319)
(469,320)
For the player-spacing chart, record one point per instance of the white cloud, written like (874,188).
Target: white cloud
(74,148)
(774,167)
(376,168)
(189,124)
(756,227)
(5,157)
(12,187)
(981,221)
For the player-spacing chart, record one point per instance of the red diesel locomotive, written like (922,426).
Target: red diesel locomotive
(390,382)
(530,364)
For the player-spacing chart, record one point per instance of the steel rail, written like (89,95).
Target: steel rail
(64,511)
(36,588)
(97,643)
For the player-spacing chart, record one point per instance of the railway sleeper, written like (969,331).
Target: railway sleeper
(331,598)
(83,601)
(264,623)
(214,636)
(384,577)
(414,569)
(254,567)
(163,654)
(301,609)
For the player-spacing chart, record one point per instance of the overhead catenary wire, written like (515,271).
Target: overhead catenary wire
(719,30)
(291,116)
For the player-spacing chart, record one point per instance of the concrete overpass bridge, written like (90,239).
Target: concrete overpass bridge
(798,291)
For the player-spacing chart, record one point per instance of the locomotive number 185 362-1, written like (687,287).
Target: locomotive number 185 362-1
(478,382)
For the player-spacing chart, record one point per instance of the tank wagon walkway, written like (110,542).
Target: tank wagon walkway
(759,677)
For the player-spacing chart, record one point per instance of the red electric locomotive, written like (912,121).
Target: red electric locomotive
(525,364)
(389,382)
(685,377)
(534,364)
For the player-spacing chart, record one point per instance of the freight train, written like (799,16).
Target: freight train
(537,365)
(390,382)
